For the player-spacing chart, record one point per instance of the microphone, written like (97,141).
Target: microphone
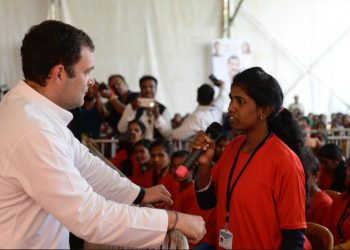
(213,131)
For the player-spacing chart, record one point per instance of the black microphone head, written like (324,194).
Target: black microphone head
(214,130)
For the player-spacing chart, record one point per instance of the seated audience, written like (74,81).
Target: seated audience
(320,201)
(332,168)
(338,219)
(207,111)
(220,145)
(161,151)
(184,200)
(140,161)
(155,116)
(122,160)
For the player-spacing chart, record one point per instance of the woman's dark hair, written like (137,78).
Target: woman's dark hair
(311,167)
(180,153)
(51,43)
(140,123)
(163,143)
(266,92)
(333,152)
(143,142)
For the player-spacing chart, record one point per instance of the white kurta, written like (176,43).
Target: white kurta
(50,183)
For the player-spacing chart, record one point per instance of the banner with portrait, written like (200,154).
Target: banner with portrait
(229,57)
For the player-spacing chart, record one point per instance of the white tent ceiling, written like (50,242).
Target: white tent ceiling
(303,43)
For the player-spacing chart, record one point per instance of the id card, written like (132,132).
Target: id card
(225,239)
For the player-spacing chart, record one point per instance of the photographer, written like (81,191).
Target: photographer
(118,95)
(153,114)
(208,110)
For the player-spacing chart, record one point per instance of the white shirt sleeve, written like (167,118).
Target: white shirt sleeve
(163,124)
(127,116)
(103,179)
(186,129)
(55,180)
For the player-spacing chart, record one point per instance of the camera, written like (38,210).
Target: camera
(102,86)
(214,80)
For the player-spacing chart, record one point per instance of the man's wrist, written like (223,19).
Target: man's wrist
(140,196)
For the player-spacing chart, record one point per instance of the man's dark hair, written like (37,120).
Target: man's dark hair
(146,78)
(205,94)
(51,43)
(117,75)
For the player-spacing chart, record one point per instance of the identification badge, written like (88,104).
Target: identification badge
(225,239)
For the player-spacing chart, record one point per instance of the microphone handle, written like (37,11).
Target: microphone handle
(192,158)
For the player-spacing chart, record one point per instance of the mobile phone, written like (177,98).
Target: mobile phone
(214,80)
(146,102)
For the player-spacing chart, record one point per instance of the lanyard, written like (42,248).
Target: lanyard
(230,190)
(341,221)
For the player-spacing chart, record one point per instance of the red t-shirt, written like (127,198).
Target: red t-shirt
(319,208)
(269,196)
(118,159)
(325,180)
(336,210)
(185,201)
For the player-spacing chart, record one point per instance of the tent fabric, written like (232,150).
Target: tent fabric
(304,44)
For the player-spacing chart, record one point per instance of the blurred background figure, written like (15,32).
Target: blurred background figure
(296,107)
(332,168)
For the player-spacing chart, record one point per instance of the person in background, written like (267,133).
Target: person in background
(338,219)
(207,112)
(332,168)
(220,145)
(155,116)
(296,108)
(259,180)
(50,183)
(141,161)
(118,96)
(320,202)
(122,159)
(184,200)
(176,121)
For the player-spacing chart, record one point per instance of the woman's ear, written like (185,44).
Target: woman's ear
(265,112)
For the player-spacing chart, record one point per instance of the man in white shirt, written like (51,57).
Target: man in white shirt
(156,117)
(207,112)
(49,183)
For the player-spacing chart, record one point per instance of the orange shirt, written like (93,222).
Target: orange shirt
(119,157)
(269,196)
(336,210)
(319,208)
(325,180)
(185,202)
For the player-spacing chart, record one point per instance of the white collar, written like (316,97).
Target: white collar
(44,102)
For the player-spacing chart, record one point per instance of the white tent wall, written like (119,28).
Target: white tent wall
(305,45)
(16,17)
(166,38)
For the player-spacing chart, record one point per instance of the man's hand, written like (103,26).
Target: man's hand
(157,194)
(192,226)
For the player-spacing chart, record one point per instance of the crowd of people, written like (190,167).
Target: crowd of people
(255,187)
(150,161)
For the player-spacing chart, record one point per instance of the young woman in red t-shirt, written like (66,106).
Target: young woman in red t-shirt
(258,185)
(338,220)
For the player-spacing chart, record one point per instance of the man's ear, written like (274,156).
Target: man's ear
(56,72)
